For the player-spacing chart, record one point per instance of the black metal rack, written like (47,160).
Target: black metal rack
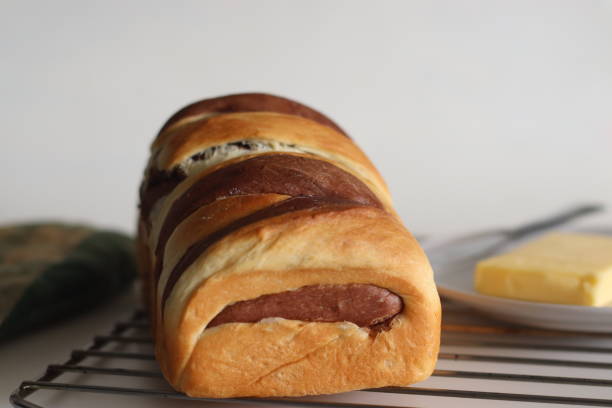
(480,361)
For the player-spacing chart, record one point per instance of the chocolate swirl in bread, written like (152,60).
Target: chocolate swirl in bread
(363,305)
(199,144)
(287,206)
(248,102)
(294,176)
(261,221)
(159,182)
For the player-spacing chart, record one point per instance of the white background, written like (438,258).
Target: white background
(478,113)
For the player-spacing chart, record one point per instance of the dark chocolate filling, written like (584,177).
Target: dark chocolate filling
(159,183)
(365,305)
(283,207)
(295,176)
(251,102)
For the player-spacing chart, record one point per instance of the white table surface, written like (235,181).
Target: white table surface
(478,113)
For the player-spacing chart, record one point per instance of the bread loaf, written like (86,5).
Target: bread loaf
(272,259)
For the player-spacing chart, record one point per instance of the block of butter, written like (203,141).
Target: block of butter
(574,269)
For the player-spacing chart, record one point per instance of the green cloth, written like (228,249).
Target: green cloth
(52,271)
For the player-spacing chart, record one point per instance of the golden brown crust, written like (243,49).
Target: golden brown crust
(353,246)
(246,102)
(320,243)
(299,358)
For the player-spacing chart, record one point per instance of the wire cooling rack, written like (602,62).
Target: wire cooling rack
(481,363)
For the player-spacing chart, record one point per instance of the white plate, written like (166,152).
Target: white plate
(456,282)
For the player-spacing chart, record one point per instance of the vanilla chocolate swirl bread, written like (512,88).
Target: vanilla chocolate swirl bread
(272,259)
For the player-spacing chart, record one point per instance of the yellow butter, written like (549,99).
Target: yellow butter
(573,269)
